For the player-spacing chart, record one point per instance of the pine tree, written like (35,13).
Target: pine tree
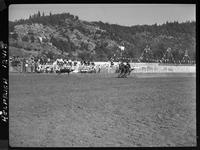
(39,15)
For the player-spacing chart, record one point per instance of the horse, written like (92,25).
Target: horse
(64,70)
(124,70)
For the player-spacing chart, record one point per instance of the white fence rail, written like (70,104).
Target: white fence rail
(139,67)
(155,67)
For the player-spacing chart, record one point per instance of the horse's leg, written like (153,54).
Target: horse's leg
(68,72)
(126,73)
(118,72)
(123,72)
(119,75)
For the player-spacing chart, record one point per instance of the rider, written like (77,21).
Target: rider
(126,68)
(129,66)
(121,68)
(121,64)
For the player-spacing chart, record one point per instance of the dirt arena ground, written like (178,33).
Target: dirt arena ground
(95,110)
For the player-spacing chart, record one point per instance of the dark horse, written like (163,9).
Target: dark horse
(124,70)
(64,70)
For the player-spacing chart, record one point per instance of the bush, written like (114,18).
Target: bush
(14,36)
(25,38)
(28,48)
(32,39)
(17,45)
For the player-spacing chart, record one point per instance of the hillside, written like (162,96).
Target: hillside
(65,34)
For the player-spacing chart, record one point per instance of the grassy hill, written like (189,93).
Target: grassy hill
(65,34)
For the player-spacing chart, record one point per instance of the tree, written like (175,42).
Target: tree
(50,54)
(178,36)
(14,36)
(76,18)
(32,39)
(25,38)
(39,15)
(11,26)
(85,56)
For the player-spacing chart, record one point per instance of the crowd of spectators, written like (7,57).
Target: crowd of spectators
(43,64)
(29,64)
(23,64)
(33,64)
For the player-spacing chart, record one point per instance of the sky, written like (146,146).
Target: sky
(122,14)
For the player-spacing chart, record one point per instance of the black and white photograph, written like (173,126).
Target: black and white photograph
(102,75)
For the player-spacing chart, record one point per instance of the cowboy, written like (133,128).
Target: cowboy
(127,63)
(126,69)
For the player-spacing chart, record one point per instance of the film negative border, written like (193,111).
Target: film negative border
(4,88)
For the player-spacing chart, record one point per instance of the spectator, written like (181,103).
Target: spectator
(26,66)
(23,65)
(75,63)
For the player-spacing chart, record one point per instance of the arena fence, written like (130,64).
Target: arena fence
(139,67)
(152,67)
(156,67)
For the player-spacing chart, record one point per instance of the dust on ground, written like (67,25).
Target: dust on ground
(94,110)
